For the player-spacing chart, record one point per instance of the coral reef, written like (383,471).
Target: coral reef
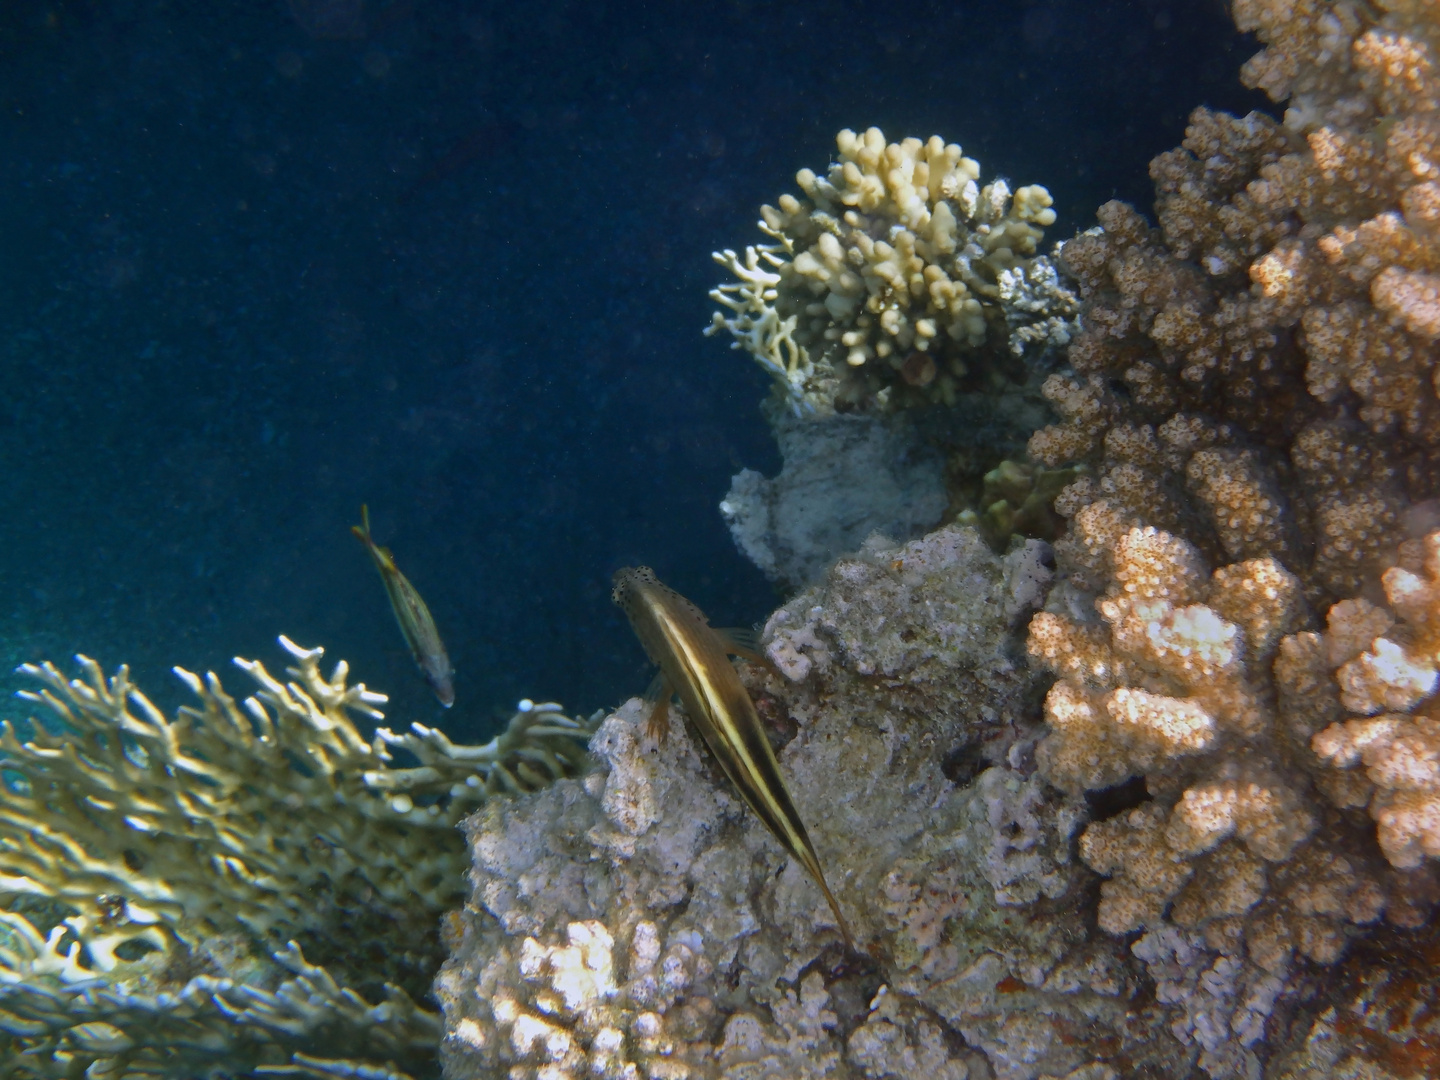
(1242,734)
(895,282)
(641,922)
(1254,388)
(1225,746)
(160,877)
(892,278)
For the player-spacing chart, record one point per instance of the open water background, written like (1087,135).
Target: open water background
(261,262)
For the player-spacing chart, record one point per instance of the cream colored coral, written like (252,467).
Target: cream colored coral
(1290,385)
(197,796)
(1243,800)
(1414,598)
(1411,298)
(1098,740)
(896,251)
(1144,873)
(1085,408)
(143,847)
(1161,690)
(1245,506)
(1394,674)
(754,322)
(1385,676)
(1257,379)
(1399,749)
(1261,597)
(1402,760)
(1334,229)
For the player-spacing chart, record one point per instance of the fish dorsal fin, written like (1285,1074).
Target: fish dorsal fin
(682,605)
(742,641)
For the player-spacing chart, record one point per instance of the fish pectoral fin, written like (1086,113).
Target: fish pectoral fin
(843,926)
(744,642)
(657,697)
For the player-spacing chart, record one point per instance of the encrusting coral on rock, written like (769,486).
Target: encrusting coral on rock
(159,878)
(641,921)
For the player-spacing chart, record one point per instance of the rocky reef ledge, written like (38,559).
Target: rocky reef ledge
(640,921)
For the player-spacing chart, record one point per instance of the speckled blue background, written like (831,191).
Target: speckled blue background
(264,261)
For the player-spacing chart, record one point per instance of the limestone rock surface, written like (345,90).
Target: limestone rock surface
(641,922)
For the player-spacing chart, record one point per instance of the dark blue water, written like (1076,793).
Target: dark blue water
(263,262)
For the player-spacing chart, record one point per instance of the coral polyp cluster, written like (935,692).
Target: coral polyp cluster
(1392,685)
(1247,621)
(890,275)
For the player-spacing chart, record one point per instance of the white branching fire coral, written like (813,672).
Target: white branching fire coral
(160,876)
(889,275)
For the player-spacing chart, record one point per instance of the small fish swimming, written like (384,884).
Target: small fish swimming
(694,661)
(412,615)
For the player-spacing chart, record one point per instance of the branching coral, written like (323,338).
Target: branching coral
(65,1020)
(1254,386)
(159,872)
(1395,676)
(889,276)
(1234,859)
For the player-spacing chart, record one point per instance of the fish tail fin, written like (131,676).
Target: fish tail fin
(811,862)
(363,529)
